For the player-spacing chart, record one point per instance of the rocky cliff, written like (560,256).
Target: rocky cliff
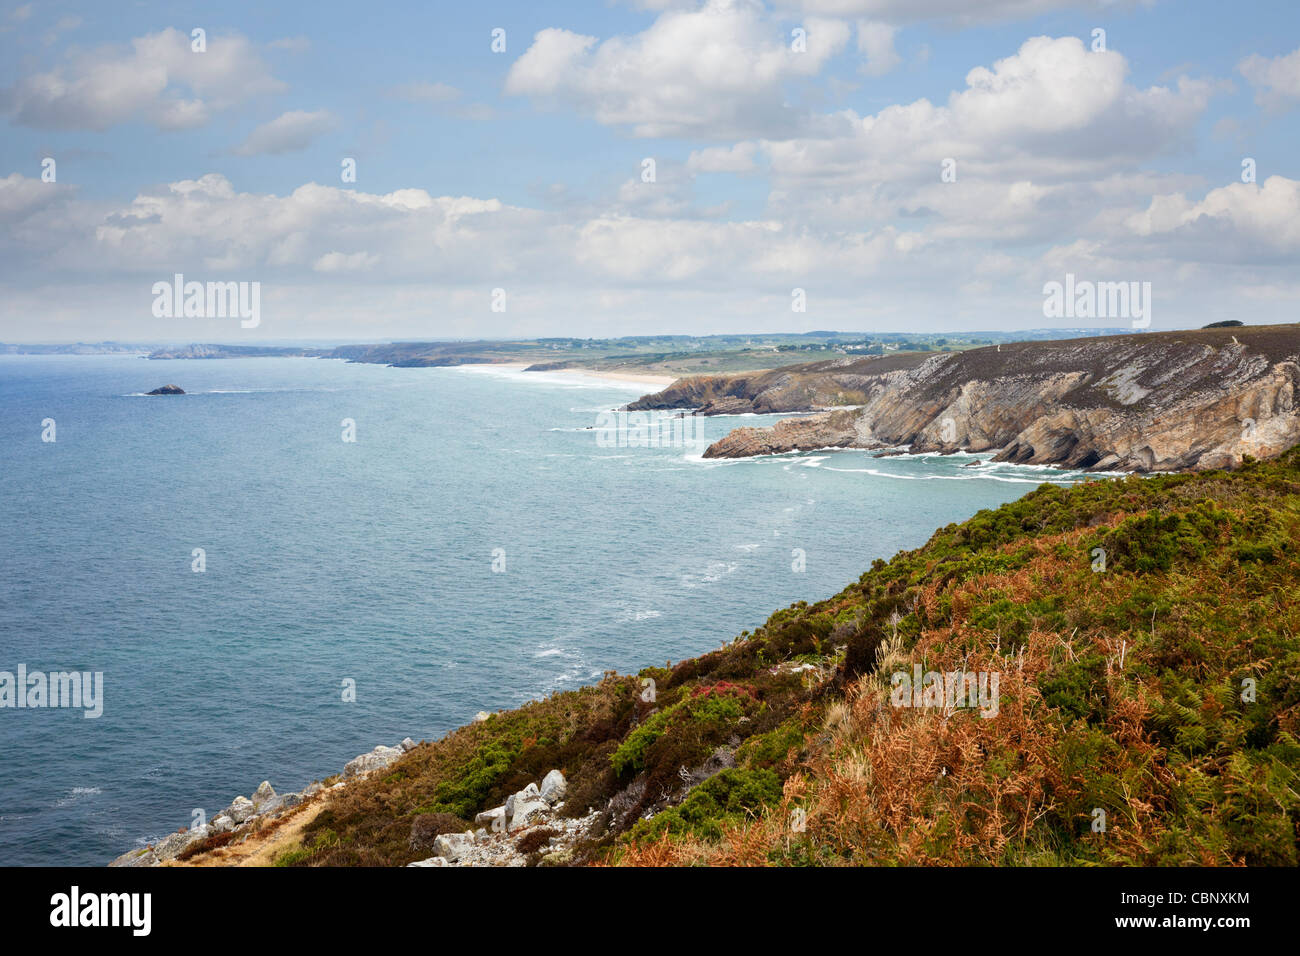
(1167,401)
(794,388)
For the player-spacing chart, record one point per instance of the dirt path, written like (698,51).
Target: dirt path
(261,849)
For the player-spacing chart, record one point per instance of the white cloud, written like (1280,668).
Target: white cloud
(956,11)
(876,42)
(345,262)
(1054,111)
(354,264)
(161,81)
(20,196)
(1054,148)
(723,159)
(288,133)
(670,196)
(205,224)
(1276,80)
(718,71)
(1236,221)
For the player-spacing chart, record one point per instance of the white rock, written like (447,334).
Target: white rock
(138,857)
(481,716)
(240,809)
(377,759)
(527,811)
(553,787)
(452,846)
(432,861)
(529,792)
(263,795)
(489,817)
(221,823)
(408,744)
(278,804)
(175,843)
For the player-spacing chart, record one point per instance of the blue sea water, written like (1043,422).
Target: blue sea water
(371,561)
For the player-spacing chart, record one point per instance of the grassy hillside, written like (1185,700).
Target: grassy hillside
(1121,691)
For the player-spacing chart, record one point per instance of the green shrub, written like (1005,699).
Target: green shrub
(726,797)
(702,718)
(769,749)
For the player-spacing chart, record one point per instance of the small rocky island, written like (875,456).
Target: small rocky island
(168,390)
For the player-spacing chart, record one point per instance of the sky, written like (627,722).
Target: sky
(643,167)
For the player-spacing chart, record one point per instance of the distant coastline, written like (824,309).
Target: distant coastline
(607,375)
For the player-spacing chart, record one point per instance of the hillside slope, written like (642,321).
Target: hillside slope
(1168,401)
(1146,711)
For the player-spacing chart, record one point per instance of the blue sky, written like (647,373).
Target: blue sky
(775,169)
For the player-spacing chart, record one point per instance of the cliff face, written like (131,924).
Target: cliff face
(794,388)
(1168,401)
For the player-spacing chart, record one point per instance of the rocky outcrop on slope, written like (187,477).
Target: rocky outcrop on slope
(245,817)
(529,823)
(810,433)
(1168,401)
(817,385)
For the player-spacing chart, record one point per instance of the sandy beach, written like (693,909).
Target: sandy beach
(612,375)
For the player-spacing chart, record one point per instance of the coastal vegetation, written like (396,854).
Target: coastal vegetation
(660,355)
(1145,635)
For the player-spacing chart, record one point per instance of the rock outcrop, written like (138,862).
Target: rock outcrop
(168,390)
(527,823)
(377,759)
(794,388)
(244,817)
(1170,401)
(553,787)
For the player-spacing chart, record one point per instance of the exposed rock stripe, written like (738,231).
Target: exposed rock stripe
(1169,401)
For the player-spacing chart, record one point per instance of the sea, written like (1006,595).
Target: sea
(300,559)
